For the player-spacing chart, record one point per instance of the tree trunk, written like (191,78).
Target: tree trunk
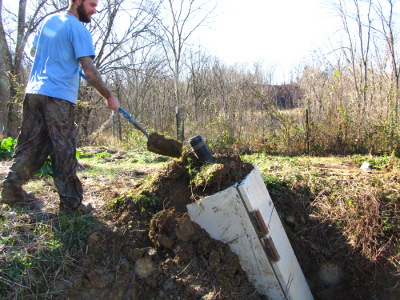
(5,65)
(16,86)
(4,92)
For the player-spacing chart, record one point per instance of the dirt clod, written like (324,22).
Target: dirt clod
(155,238)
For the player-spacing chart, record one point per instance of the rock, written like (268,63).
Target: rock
(124,266)
(94,237)
(366,166)
(166,241)
(213,261)
(290,220)
(184,252)
(185,229)
(151,253)
(194,291)
(144,267)
(136,253)
(100,278)
(330,274)
(10,215)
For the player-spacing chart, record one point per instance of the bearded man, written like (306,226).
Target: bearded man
(61,46)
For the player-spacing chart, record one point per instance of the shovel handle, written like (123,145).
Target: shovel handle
(133,121)
(83,76)
(126,115)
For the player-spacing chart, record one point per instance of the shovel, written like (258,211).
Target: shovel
(156,143)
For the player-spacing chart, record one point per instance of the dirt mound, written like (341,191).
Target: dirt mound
(154,251)
(189,179)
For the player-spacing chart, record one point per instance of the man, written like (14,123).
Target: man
(62,45)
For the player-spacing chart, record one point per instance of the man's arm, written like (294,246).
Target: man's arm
(97,82)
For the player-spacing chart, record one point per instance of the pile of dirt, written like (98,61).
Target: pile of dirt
(140,243)
(151,250)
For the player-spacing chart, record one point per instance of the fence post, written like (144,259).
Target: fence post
(307,130)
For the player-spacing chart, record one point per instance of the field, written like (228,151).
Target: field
(139,243)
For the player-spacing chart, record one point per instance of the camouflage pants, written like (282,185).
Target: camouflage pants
(48,128)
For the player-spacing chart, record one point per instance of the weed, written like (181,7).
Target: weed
(116,202)
(204,175)
(192,170)
(72,230)
(103,155)
(190,166)
(148,158)
(30,248)
(7,148)
(144,201)
(46,169)
(276,184)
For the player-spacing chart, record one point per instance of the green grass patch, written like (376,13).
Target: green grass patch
(30,249)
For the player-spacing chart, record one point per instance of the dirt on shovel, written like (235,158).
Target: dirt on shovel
(159,144)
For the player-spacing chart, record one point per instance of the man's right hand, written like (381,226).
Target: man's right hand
(113,103)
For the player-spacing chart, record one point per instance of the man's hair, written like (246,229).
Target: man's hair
(72,2)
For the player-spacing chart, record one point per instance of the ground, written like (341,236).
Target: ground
(141,243)
(154,249)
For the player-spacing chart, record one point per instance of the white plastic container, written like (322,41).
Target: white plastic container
(244,217)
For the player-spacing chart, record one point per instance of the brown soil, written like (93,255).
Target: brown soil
(154,251)
(143,244)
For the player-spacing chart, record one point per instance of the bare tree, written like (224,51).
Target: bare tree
(178,20)
(357,49)
(387,30)
(198,65)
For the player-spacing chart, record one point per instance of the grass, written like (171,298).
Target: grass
(360,209)
(340,212)
(38,246)
(35,251)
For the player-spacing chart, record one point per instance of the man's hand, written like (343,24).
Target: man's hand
(113,103)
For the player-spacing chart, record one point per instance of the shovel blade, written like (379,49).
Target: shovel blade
(157,143)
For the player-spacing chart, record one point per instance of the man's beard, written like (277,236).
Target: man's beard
(83,17)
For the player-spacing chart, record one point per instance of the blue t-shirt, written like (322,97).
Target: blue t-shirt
(60,41)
